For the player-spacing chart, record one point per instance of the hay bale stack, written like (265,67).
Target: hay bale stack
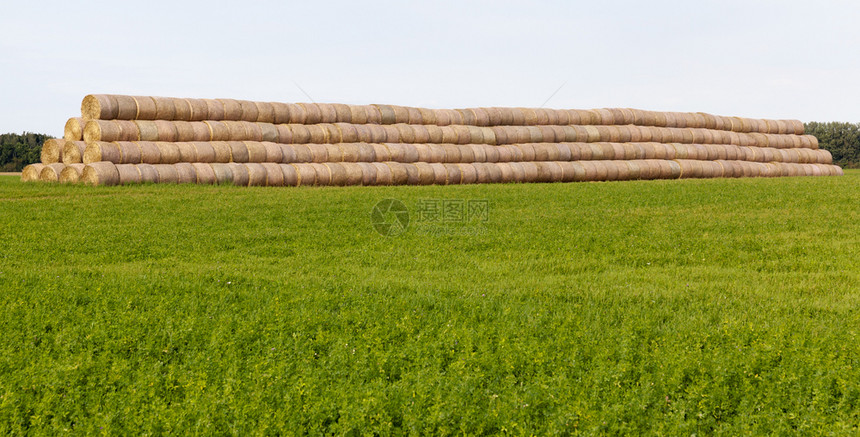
(100,173)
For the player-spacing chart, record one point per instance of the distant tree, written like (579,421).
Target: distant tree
(841,139)
(17,151)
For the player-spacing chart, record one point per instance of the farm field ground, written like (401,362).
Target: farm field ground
(727,306)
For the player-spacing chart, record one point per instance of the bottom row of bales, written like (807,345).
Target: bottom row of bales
(419,173)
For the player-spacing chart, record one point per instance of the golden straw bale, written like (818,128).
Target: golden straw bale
(100,173)
(73,152)
(72,173)
(74,129)
(205,173)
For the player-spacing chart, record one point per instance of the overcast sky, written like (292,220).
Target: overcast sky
(768,58)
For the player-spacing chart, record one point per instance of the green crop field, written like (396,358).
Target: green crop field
(648,307)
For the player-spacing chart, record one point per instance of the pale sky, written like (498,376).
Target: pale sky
(765,59)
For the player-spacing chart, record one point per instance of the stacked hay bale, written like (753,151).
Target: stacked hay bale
(132,139)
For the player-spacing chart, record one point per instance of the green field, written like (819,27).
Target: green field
(658,307)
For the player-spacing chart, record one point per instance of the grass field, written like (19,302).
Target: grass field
(658,307)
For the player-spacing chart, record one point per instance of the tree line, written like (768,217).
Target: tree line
(841,139)
(17,151)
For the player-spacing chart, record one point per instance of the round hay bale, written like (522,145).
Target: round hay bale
(426,173)
(182,110)
(256,151)
(553,169)
(99,106)
(223,151)
(317,134)
(303,153)
(295,114)
(468,173)
(288,153)
(237,130)
(381,152)
(451,153)
(590,170)
(482,171)
(318,152)
(128,174)
(186,173)
(305,174)
(198,109)
(449,135)
(101,130)
(148,174)
(383,173)
(530,171)
(238,152)
(423,152)
(218,130)
(453,174)
(386,114)
(74,129)
(443,118)
(265,112)
(129,152)
(51,172)
(491,153)
(167,173)
(241,176)
(165,109)
(149,152)
(166,130)
(223,173)
(187,152)
(205,173)
(285,134)
(73,152)
(368,173)
(52,151)
(268,132)
(399,173)
(71,173)
(518,172)
(102,151)
(202,152)
(184,131)
(354,173)
(100,173)
(214,109)
(440,173)
(325,176)
(257,174)
(299,134)
(328,113)
(281,113)
(290,175)
(147,130)
(232,109)
(482,117)
(412,175)
(273,152)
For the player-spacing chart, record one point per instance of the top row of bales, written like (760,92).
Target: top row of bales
(121,107)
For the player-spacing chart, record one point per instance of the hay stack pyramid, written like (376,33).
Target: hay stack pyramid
(140,139)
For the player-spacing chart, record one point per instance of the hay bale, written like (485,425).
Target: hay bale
(232,109)
(368,173)
(149,152)
(214,109)
(166,131)
(354,173)
(205,173)
(51,172)
(102,151)
(256,151)
(99,106)
(72,173)
(384,174)
(52,151)
(290,175)
(148,130)
(241,177)
(323,174)
(223,173)
(199,109)
(129,152)
(238,151)
(202,152)
(257,174)
(100,173)
(128,174)
(74,129)
(182,110)
(518,171)
(168,153)
(185,131)
(468,174)
(187,152)
(167,173)
(101,130)
(186,173)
